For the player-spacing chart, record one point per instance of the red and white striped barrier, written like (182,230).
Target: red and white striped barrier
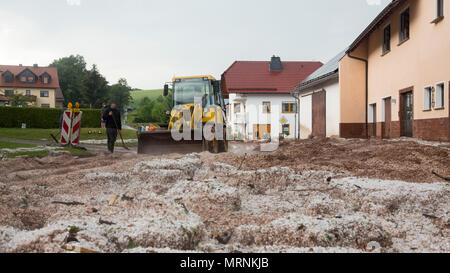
(66,126)
(76,127)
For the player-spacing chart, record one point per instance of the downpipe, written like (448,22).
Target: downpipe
(297,115)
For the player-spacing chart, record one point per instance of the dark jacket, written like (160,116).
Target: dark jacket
(104,110)
(110,121)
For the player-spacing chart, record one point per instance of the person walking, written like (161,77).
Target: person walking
(113,125)
(104,108)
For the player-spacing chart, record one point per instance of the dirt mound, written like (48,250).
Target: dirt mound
(400,160)
(228,203)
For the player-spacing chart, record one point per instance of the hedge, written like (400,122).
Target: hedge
(43,118)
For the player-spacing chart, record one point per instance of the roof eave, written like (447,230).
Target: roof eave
(374,24)
(317,81)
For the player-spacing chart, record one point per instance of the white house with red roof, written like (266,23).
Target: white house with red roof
(260,102)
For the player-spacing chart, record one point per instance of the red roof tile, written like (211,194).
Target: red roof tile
(256,77)
(16,70)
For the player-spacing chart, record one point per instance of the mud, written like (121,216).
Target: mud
(301,198)
(406,160)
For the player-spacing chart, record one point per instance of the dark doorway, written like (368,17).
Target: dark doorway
(387,118)
(406,114)
(319,119)
(373,108)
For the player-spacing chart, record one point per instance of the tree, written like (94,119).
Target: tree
(120,93)
(17,99)
(94,89)
(71,73)
(154,110)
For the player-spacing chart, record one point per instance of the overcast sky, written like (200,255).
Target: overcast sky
(148,41)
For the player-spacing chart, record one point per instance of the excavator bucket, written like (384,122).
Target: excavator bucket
(160,141)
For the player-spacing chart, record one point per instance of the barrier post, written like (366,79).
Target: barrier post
(76,125)
(67,125)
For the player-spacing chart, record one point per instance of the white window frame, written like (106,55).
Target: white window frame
(442,106)
(426,89)
(372,113)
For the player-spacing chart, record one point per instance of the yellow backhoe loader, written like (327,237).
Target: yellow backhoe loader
(197,120)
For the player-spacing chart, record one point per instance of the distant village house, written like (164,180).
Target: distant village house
(319,96)
(39,84)
(395,77)
(260,103)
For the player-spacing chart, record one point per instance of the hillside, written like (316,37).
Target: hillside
(138,96)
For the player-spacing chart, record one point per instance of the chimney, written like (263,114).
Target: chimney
(35,65)
(275,64)
(20,65)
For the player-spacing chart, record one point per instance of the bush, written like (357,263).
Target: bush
(43,118)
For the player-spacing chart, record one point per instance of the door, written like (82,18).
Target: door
(319,125)
(407,114)
(261,131)
(387,118)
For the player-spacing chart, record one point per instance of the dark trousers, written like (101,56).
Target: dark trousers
(112,136)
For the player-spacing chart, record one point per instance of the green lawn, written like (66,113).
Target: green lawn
(44,134)
(13,145)
(138,96)
(39,154)
(44,153)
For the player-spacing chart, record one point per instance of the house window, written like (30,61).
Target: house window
(289,108)
(45,80)
(286,129)
(45,105)
(44,94)
(266,107)
(28,92)
(8,77)
(387,39)
(404,25)
(439,9)
(30,79)
(23,79)
(9,92)
(237,108)
(427,98)
(439,96)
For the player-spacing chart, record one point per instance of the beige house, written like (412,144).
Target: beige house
(39,84)
(395,77)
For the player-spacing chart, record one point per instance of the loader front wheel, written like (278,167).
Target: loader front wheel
(216,146)
(205,145)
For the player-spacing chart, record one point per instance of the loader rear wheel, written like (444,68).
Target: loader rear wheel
(223,146)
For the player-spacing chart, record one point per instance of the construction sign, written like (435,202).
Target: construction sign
(71,126)
(76,127)
(66,127)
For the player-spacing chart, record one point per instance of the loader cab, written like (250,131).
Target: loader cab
(204,88)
